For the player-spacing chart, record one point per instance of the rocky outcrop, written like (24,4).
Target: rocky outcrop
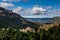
(48,26)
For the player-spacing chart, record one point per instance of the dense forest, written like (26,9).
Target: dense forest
(14,34)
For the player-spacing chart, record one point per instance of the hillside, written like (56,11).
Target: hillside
(10,19)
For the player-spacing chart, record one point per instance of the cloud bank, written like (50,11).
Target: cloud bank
(37,12)
(17,10)
(5,5)
(34,12)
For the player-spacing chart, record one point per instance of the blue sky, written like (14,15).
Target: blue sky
(33,8)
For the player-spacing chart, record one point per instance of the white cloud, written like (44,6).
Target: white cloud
(55,12)
(50,13)
(5,5)
(36,10)
(38,16)
(29,13)
(17,10)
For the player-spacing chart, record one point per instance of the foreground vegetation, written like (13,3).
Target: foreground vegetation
(14,34)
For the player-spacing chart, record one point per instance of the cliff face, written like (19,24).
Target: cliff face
(10,19)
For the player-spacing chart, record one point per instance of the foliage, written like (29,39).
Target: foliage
(11,34)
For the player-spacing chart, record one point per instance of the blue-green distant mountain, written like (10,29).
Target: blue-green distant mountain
(44,20)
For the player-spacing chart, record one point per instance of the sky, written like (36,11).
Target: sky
(33,8)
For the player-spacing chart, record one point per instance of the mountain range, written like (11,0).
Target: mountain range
(11,19)
(44,20)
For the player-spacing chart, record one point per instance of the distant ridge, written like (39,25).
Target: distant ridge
(44,20)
